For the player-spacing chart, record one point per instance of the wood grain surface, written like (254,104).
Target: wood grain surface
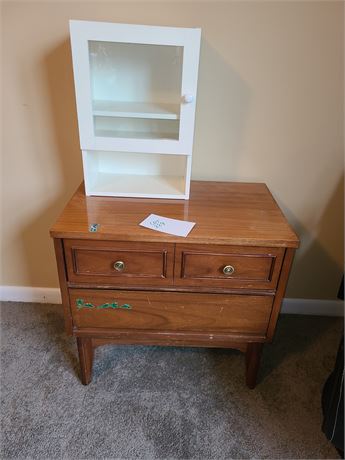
(180,339)
(144,263)
(224,213)
(61,267)
(202,265)
(172,311)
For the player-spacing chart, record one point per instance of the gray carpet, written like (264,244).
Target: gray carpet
(165,403)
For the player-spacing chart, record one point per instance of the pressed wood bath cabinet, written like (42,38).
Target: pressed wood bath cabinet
(136,88)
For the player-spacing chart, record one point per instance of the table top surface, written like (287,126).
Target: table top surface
(224,212)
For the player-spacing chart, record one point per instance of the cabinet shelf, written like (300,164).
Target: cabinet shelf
(134,134)
(136,110)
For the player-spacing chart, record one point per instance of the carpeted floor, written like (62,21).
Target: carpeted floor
(165,403)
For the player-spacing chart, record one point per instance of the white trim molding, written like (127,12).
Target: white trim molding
(317,307)
(30,294)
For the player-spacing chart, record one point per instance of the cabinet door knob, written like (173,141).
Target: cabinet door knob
(188,98)
(228,270)
(119,265)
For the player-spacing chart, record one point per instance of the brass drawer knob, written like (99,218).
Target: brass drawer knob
(119,265)
(228,270)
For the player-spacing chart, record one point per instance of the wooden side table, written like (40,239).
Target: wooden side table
(221,286)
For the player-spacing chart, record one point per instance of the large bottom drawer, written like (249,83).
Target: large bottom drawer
(170,311)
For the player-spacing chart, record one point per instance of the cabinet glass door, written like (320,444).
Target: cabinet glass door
(135,86)
(135,90)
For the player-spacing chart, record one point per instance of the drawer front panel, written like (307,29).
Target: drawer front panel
(105,262)
(228,267)
(170,311)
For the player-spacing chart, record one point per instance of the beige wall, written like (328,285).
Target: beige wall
(270,109)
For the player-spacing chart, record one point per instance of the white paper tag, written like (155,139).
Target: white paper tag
(167,225)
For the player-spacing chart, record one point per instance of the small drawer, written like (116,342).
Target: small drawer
(111,263)
(228,266)
(170,311)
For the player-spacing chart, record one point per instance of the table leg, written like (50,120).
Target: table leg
(85,351)
(253,355)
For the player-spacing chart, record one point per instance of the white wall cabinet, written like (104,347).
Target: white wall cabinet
(136,92)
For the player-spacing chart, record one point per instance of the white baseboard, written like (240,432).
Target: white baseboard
(30,294)
(317,307)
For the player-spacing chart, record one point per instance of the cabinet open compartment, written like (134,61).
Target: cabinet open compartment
(134,126)
(136,174)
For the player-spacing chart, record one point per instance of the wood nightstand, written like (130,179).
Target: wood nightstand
(221,286)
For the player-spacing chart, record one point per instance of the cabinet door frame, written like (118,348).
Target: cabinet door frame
(84,31)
